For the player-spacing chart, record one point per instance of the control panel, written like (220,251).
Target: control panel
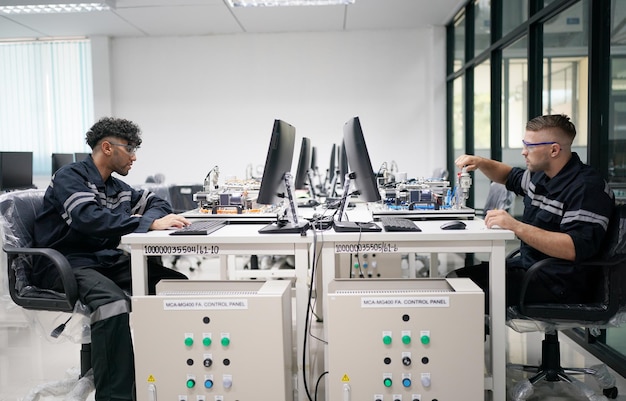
(214,341)
(405,340)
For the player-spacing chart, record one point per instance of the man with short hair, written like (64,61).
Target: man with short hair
(86,210)
(567,206)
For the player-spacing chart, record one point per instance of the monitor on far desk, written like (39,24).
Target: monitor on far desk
(276,183)
(361,173)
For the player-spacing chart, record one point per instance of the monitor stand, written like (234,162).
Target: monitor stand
(290,224)
(285,227)
(351,226)
(356,227)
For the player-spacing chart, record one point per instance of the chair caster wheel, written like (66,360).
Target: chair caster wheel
(610,392)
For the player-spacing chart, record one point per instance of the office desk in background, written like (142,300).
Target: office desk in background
(432,239)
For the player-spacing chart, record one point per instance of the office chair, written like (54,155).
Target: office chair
(498,197)
(17,218)
(601,311)
(181,197)
(440,173)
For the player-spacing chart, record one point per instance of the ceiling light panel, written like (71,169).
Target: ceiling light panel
(279,3)
(50,7)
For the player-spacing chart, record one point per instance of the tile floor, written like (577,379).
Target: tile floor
(29,359)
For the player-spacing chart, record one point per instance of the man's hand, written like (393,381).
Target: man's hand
(171,220)
(467,161)
(552,243)
(492,169)
(500,218)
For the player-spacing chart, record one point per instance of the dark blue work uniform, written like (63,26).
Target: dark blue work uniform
(578,202)
(84,218)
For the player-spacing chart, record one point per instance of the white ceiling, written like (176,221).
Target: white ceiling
(215,17)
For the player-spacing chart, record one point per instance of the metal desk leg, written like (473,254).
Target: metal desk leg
(497,300)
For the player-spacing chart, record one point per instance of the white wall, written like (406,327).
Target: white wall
(212,100)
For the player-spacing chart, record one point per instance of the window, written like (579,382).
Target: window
(46,98)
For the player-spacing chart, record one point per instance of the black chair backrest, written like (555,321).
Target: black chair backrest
(181,197)
(615,241)
(18,211)
(498,197)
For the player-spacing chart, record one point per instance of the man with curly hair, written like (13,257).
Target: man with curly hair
(86,211)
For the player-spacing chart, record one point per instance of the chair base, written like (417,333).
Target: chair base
(550,370)
(72,389)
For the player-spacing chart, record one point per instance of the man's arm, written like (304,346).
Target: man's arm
(554,244)
(494,170)
(155,213)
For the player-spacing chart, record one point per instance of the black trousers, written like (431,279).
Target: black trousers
(105,290)
(538,291)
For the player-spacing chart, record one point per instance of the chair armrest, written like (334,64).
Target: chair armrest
(513,253)
(60,262)
(613,271)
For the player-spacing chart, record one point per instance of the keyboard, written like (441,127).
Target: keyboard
(398,224)
(203,227)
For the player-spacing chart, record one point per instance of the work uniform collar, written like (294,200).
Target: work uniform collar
(563,178)
(110,187)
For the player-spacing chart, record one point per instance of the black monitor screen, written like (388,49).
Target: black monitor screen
(304,161)
(332,166)
(277,163)
(61,159)
(313,158)
(16,170)
(359,161)
(79,157)
(343,163)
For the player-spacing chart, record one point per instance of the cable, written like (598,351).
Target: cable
(306,319)
(318,383)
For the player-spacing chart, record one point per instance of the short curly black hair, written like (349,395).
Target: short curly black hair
(116,127)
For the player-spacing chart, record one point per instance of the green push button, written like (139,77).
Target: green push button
(225,341)
(191,383)
(206,341)
(425,339)
(406,339)
(387,340)
(188,341)
(387,382)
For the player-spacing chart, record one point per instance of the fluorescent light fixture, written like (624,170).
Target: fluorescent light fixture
(278,3)
(54,6)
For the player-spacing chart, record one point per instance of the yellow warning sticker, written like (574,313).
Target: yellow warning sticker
(151,379)
(345,378)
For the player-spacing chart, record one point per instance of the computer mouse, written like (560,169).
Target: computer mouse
(312,203)
(453,225)
(307,202)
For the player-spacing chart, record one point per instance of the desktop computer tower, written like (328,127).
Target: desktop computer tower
(214,341)
(405,340)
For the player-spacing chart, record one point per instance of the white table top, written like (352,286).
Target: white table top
(248,233)
(232,233)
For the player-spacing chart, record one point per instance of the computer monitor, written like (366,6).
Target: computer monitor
(80,156)
(277,163)
(61,159)
(359,161)
(304,163)
(332,166)
(273,183)
(16,170)
(313,158)
(343,163)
